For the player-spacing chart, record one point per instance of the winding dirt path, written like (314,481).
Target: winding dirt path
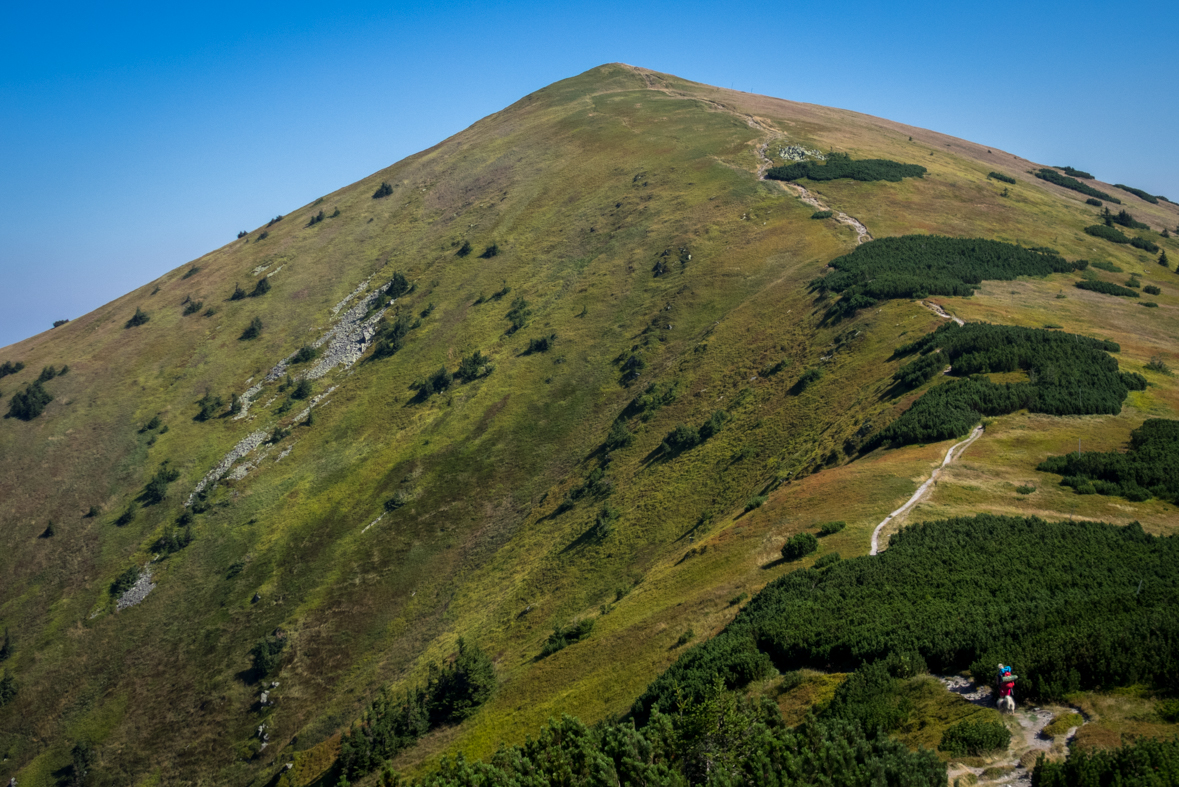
(807,197)
(764,163)
(925,488)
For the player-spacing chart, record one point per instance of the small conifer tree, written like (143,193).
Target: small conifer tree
(252,331)
(139,318)
(29,403)
(7,689)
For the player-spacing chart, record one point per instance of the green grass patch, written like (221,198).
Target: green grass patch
(1062,723)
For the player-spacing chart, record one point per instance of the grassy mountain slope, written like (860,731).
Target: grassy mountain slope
(582,188)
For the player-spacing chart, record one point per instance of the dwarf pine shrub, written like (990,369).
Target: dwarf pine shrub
(798,546)
(252,331)
(28,404)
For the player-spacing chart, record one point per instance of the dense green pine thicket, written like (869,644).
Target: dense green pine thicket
(1150,468)
(1071,605)
(916,266)
(721,740)
(1067,375)
(1107,233)
(970,739)
(452,693)
(841,165)
(1126,219)
(1108,288)
(999,176)
(1076,173)
(29,403)
(8,367)
(1141,763)
(1052,176)
(1152,199)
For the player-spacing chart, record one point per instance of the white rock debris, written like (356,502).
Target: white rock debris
(345,343)
(276,270)
(261,268)
(349,338)
(799,153)
(137,592)
(315,402)
(246,400)
(350,296)
(346,340)
(239,472)
(286,452)
(244,447)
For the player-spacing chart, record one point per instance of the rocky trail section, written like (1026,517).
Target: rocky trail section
(1028,740)
(764,165)
(925,488)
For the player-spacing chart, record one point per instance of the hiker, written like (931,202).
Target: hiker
(1004,687)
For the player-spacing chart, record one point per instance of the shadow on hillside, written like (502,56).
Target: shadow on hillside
(584,540)
(249,676)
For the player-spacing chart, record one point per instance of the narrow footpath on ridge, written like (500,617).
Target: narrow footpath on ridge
(1011,767)
(926,488)
(862,234)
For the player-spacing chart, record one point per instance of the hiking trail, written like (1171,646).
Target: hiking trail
(925,488)
(1014,765)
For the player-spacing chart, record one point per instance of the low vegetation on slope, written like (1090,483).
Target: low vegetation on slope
(1141,762)
(346,548)
(916,266)
(391,722)
(1067,375)
(1052,176)
(723,739)
(1150,468)
(1057,600)
(841,165)
(1152,199)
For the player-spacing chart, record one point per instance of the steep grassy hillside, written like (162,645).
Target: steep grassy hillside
(622,213)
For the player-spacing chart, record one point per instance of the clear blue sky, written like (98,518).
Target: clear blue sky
(135,138)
